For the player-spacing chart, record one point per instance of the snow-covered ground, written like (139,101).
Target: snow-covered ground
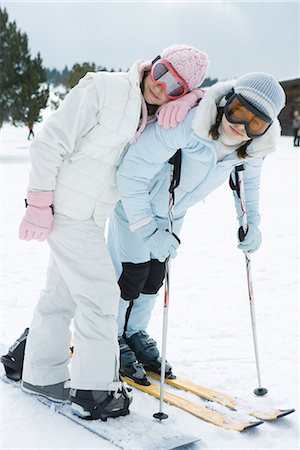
(209,337)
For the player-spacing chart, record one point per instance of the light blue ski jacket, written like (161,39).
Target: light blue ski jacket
(143,177)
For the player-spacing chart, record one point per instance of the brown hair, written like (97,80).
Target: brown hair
(151,109)
(214,132)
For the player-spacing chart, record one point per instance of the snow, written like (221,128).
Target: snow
(209,335)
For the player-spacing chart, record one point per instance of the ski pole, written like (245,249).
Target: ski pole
(174,181)
(241,193)
(161,415)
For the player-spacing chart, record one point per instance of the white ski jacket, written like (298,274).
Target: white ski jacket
(78,151)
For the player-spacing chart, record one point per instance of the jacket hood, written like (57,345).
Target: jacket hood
(139,68)
(206,115)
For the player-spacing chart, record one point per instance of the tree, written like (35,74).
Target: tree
(34,94)
(13,57)
(53,76)
(65,72)
(22,78)
(69,78)
(78,71)
(209,82)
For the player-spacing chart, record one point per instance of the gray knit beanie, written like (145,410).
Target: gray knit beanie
(262,91)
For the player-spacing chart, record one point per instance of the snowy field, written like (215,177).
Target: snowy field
(209,337)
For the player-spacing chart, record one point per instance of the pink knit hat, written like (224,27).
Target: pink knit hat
(190,63)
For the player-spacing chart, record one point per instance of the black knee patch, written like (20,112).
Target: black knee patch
(155,278)
(133,279)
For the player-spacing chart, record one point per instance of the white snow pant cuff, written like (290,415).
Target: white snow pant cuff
(42,377)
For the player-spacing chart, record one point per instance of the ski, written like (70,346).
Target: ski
(216,418)
(230,402)
(126,433)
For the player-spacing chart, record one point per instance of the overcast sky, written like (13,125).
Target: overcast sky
(239,37)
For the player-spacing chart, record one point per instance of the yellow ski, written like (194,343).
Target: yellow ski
(222,399)
(202,412)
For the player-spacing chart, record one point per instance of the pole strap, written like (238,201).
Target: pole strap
(234,179)
(176,163)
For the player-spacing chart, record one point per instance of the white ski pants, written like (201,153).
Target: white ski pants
(81,284)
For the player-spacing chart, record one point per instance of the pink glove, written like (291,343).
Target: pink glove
(173,112)
(37,222)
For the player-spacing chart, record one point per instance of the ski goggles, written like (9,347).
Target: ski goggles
(238,110)
(163,73)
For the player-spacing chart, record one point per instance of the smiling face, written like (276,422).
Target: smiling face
(234,131)
(154,93)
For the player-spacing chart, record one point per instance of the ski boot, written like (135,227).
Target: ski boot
(92,405)
(146,352)
(13,361)
(58,392)
(129,366)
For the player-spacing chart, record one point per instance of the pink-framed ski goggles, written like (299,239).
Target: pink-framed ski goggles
(163,73)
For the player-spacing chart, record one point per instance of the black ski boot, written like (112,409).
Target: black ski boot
(147,353)
(92,405)
(13,361)
(129,366)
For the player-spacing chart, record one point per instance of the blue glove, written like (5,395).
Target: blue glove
(161,243)
(249,242)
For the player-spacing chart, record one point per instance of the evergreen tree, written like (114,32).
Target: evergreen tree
(14,57)
(34,94)
(21,76)
(65,73)
(77,72)
(209,82)
(53,76)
